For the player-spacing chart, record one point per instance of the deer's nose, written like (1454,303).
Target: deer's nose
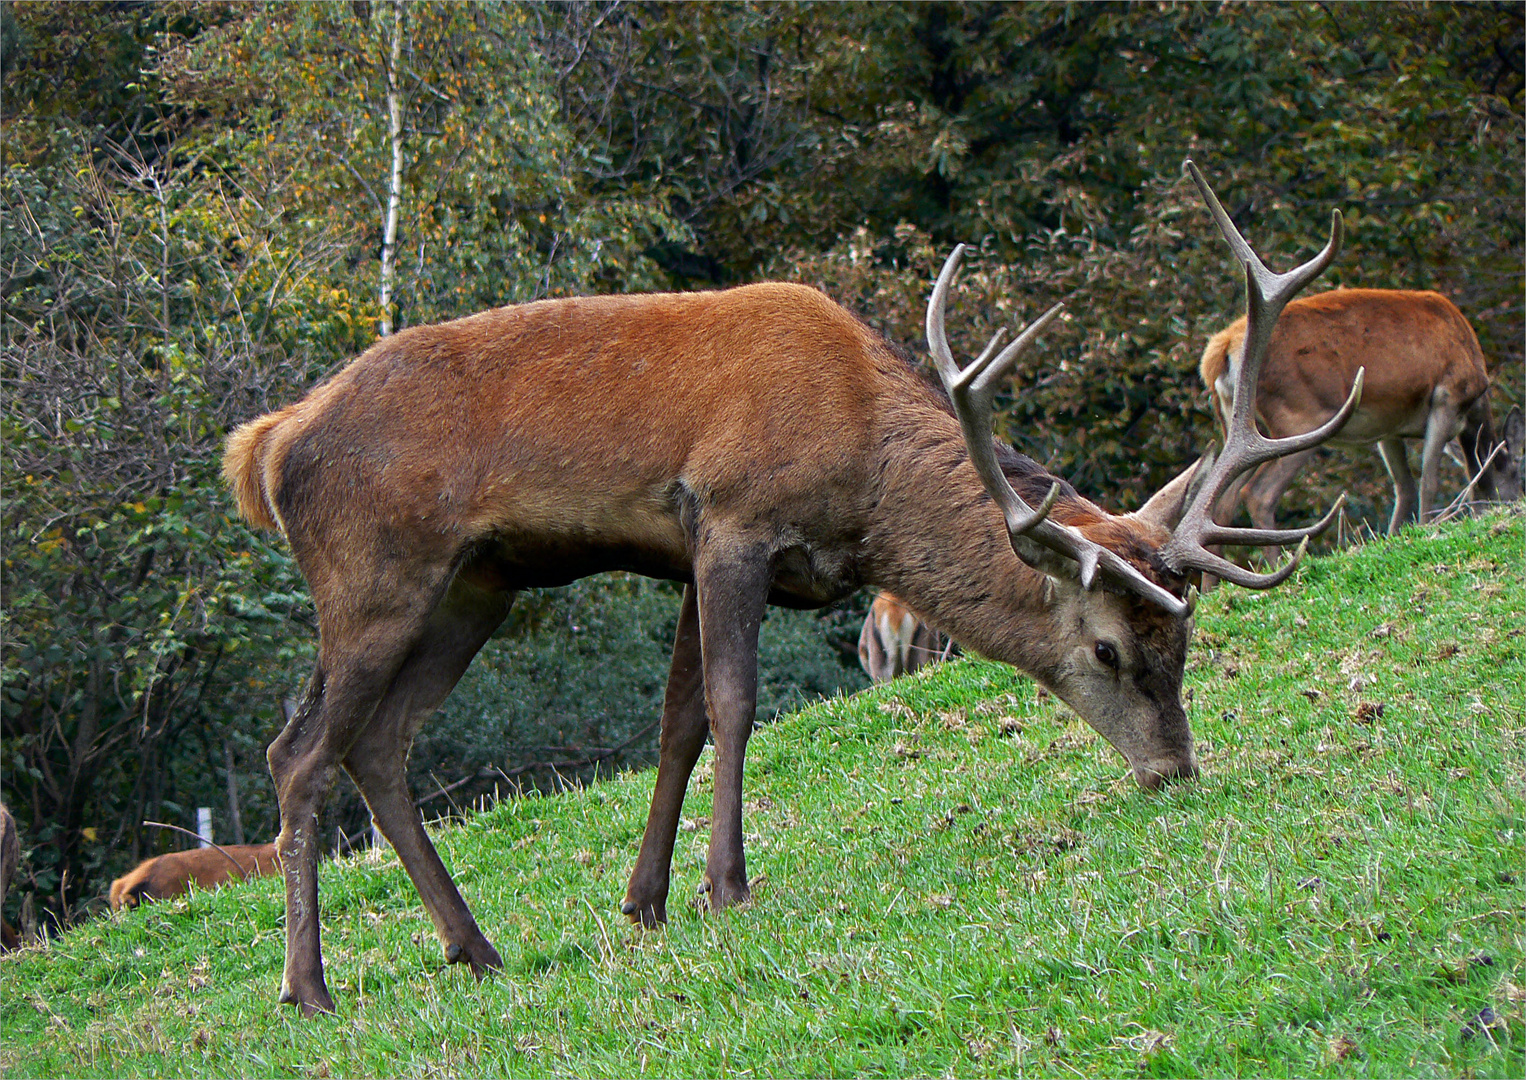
(1153,774)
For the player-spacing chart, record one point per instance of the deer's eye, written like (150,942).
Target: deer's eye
(1107,654)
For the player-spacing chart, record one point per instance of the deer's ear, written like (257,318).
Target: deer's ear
(1515,431)
(1166,506)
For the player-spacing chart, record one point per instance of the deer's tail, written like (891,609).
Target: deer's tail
(1214,364)
(246,467)
(126,890)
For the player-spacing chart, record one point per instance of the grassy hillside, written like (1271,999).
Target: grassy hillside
(954,878)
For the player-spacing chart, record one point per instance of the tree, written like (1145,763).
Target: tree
(1052,136)
(136,322)
(459,144)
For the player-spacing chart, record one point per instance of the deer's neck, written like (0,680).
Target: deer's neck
(940,544)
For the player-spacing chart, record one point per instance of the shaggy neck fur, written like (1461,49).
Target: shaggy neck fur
(941,544)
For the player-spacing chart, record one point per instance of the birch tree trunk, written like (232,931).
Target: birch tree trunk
(395,179)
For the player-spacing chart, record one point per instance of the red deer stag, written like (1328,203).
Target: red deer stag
(1425,380)
(165,876)
(894,642)
(759,445)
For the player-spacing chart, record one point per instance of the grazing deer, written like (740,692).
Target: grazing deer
(165,876)
(894,642)
(758,444)
(1425,380)
(10,858)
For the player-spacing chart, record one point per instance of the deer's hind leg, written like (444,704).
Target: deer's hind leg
(455,631)
(1228,506)
(1224,512)
(1265,490)
(1440,428)
(366,636)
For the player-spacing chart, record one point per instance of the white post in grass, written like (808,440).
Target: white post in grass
(204,825)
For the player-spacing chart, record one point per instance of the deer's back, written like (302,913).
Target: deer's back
(171,875)
(1412,344)
(590,432)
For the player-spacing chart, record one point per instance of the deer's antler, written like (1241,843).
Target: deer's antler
(1266,294)
(1045,545)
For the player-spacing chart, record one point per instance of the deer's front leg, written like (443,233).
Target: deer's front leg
(1396,461)
(683,737)
(732,582)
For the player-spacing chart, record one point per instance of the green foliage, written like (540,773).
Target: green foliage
(495,206)
(952,877)
(140,616)
(1052,137)
(78,65)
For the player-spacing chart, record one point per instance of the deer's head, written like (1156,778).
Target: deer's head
(1120,588)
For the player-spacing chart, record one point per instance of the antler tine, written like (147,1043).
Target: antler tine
(1283,287)
(972,390)
(937,338)
(1266,294)
(1238,575)
(1043,544)
(1222,534)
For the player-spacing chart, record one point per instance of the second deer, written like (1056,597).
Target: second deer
(894,642)
(1425,380)
(164,876)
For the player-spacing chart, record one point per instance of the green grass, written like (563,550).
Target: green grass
(954,878)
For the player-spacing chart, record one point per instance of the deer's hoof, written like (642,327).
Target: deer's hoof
(480,954)
(720,894)
(650,914)
(309,1000)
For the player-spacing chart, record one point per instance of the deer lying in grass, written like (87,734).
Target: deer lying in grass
(1425,380)
(165,876)
(894,642)
(759,445)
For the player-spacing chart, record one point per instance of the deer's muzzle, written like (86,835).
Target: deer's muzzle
(1153,774)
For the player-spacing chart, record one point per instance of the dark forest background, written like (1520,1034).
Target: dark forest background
(194,203)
